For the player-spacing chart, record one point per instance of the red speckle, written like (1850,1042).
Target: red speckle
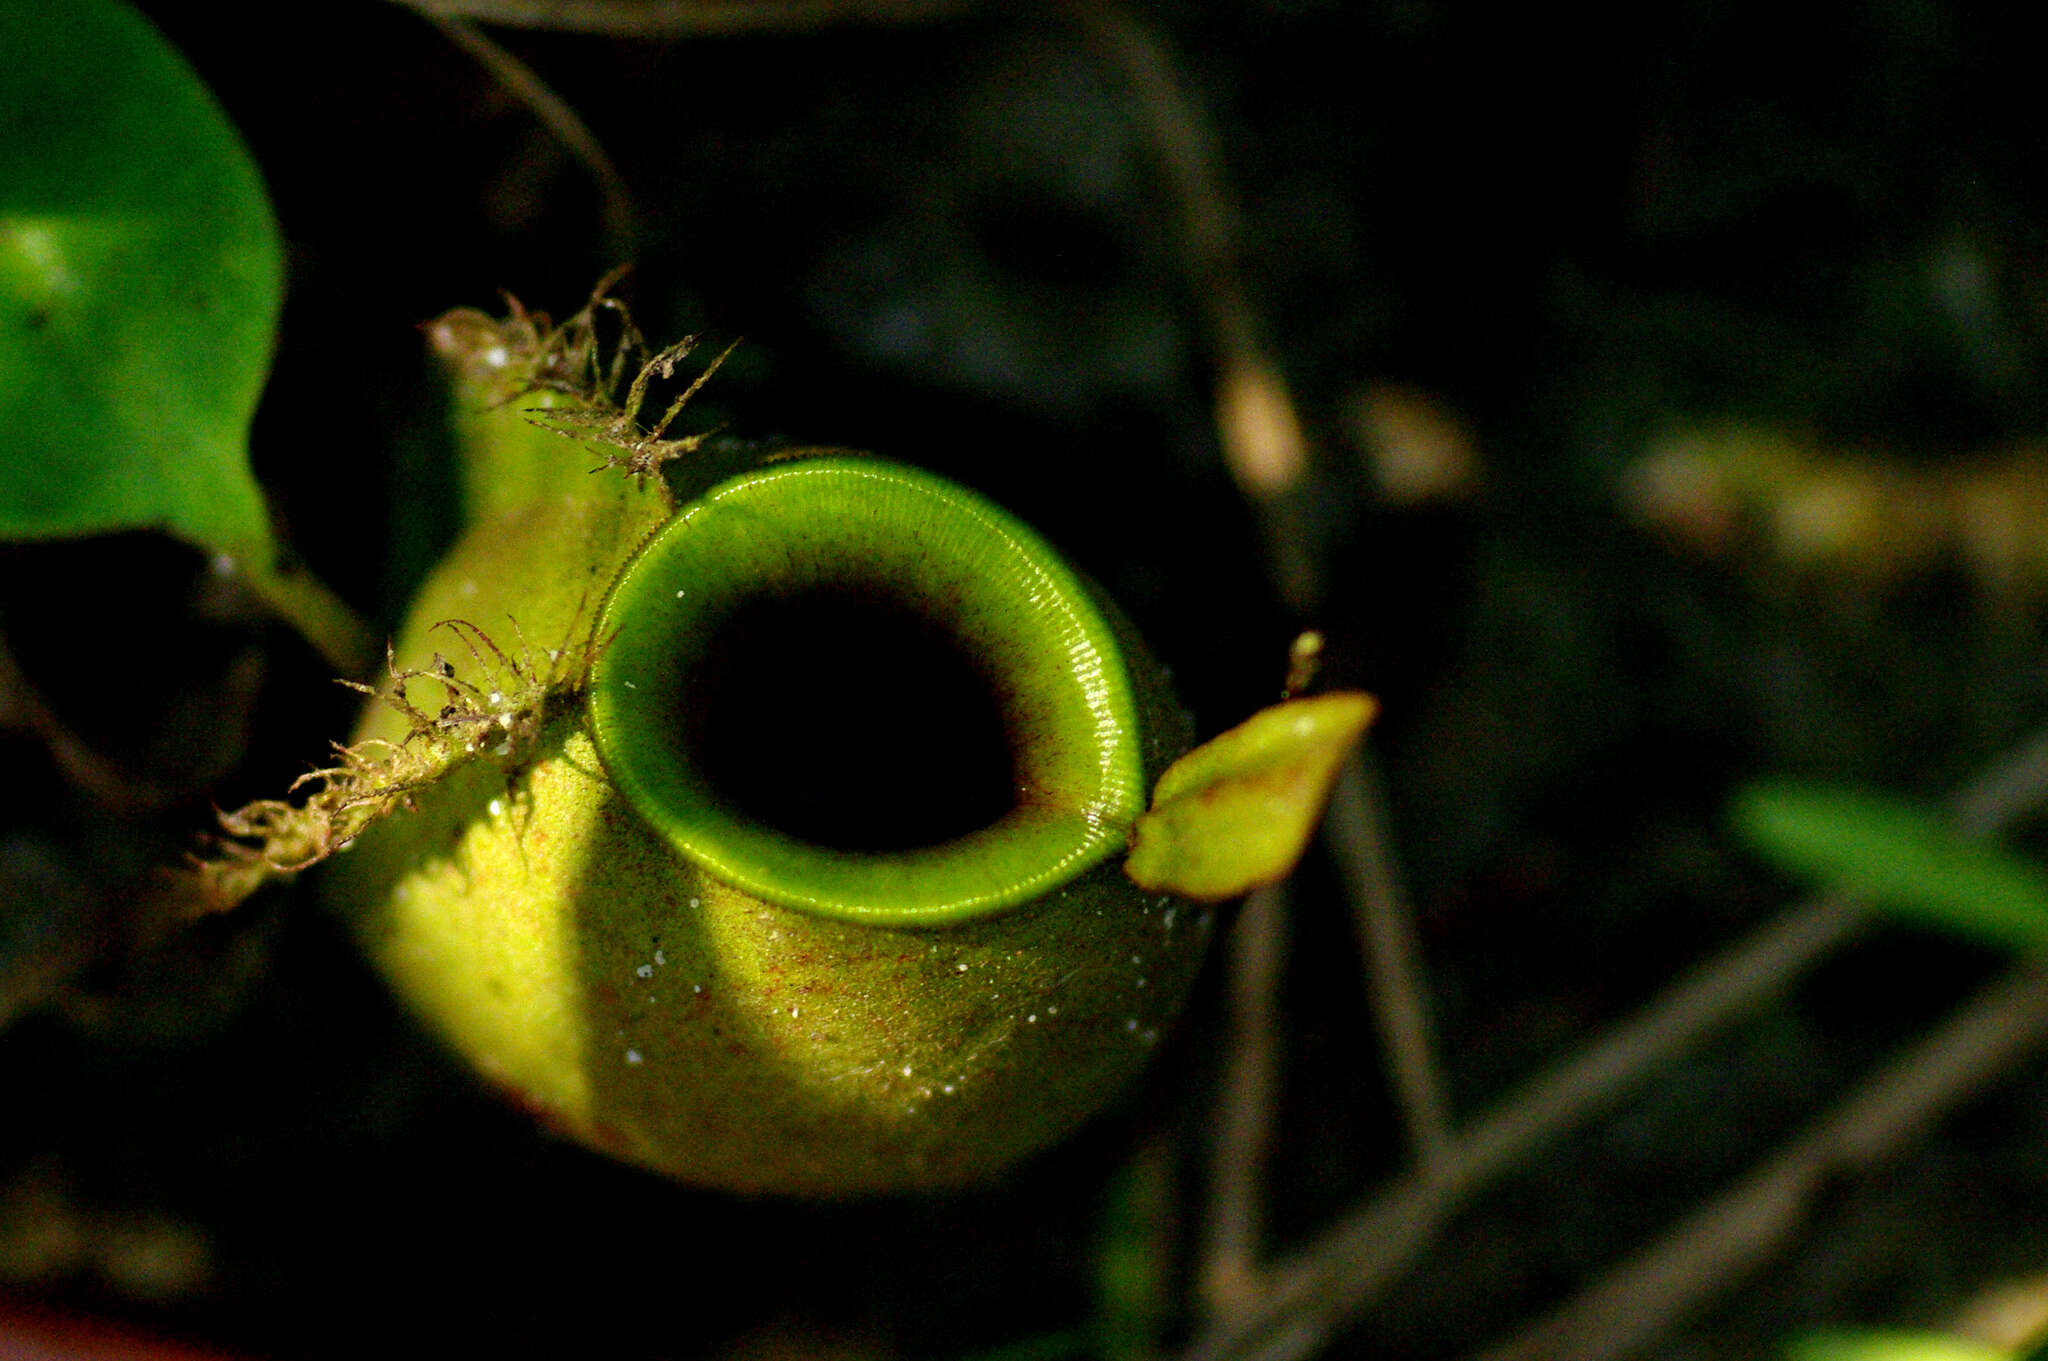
(608,1137)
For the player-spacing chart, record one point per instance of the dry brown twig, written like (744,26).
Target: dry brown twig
(1360,843)
(1233,1227)
(1728,1236)
(1257,423)
(621,222)
(690,18)
(1264,446)
(23,706)
(1296,1306)
(1308,1296)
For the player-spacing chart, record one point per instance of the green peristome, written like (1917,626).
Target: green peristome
(639,998)
(1903,857)
(866,530)
(1238,811)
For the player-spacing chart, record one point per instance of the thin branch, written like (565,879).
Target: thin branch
(1309,1296)
(2003,794)
(294,595)
(689,18)
(1359,842)
(1256,420)
(1232,1236)
(1264,446)
(23,706)
(1730,1236)
(1305,1299)
(621,222)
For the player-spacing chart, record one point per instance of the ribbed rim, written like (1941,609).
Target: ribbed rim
(906,535)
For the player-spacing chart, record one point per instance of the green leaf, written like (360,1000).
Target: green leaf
(1890,1346)
(141,276)
(1132,1237)
(1904,858)
(1238,811)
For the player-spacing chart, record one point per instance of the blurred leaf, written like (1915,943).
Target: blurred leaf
(1890,1346)
(1904,858)
(1133,1236)
(140,281)
(141,276)
(1238,811)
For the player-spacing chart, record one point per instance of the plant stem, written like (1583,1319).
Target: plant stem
(1309,1296)
(621,224)
(683,18)
(1357,833)
(302,600)
(1726,1238)
(1248,1095)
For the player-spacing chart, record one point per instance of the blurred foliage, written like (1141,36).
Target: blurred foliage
(1903,858)
(141,276)
(1879,1346)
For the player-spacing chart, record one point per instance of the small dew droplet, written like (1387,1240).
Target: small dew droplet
(633,1056)
(644,971)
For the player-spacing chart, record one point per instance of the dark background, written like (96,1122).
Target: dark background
(947,243)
